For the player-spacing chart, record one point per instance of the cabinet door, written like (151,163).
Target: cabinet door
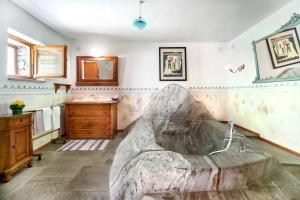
(20,143)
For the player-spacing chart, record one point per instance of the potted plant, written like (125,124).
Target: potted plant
(17,107)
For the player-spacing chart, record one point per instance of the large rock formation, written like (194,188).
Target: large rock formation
(166,151)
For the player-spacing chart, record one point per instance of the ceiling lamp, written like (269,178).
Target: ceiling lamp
(140,23)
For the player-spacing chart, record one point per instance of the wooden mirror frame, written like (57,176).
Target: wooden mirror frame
(97,82)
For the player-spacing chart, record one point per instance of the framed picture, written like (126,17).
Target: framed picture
(172,64)
(284,48)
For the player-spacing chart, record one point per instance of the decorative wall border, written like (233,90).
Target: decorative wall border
(113,88)
(16,89)
(251,86)
(10,89)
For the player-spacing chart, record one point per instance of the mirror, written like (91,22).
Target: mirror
(97,69)
(101,71)
(277,55)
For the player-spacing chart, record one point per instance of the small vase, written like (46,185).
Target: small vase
(17,111)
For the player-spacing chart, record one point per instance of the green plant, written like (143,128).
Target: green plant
(17,105)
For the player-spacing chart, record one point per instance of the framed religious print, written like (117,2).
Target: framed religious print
(172,64)
(284,48)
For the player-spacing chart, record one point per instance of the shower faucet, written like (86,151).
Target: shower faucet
(230,136)
(235,137)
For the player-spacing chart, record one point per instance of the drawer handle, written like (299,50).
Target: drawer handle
(14,146)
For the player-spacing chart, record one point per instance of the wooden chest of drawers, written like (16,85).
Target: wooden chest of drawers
(15,143)
(91,120)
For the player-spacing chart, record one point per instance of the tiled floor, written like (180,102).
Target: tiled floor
(63,176)
(84,176)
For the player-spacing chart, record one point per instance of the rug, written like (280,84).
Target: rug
(84,145)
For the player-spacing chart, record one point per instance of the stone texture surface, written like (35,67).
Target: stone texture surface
(166,151)
(284,185)
(175,102)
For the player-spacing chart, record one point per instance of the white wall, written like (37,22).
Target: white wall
(17,19)
(139,70)
(240,48)
(271,109)
(139,62)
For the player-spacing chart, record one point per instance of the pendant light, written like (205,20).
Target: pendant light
(140,23)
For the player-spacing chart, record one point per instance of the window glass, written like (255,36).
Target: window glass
(18,59)
(11,60)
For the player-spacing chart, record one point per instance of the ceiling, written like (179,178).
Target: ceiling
(169,20)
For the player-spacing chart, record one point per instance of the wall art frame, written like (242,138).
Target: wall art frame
(172,64)
(291,24)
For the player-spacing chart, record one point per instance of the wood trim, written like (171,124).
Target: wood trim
(280,147)
(248,130)
(243,128)
(20,77)
(91,102)
(66,116)
(13,37)
(266,140)
(95,82)
(59,85)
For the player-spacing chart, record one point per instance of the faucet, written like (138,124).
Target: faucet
(230,136)
(236,137)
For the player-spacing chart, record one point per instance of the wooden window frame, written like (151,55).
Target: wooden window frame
(35,50)
(30,45)
(33,65)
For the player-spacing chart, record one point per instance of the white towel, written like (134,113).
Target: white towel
(38,122)
(56,117)
(47,119)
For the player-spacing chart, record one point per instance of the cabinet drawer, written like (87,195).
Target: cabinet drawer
(89,134)
(89,110)
(18,121)
(88,123)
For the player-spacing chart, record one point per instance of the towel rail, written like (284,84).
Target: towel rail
(38,135)
(40,109)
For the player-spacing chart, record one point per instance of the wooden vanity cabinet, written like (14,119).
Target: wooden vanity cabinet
(91,120)
(15,144)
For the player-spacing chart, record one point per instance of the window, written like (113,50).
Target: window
(12,51)
(30,61)
(50,61)
(19,58)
